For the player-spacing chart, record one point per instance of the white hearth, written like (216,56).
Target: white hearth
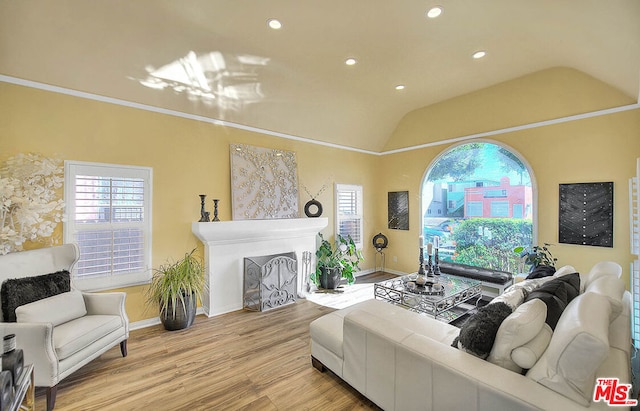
(227,243)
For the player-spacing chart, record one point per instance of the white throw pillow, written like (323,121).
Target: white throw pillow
(528,354)
(57,310)
(517,329)
(564,270)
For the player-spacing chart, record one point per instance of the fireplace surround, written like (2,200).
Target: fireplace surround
(228,243)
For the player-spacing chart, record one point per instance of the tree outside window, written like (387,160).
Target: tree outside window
(478,199)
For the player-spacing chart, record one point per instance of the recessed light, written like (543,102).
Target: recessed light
(274,24)
(400,87)
(434,12)
(350,61)
(479,54)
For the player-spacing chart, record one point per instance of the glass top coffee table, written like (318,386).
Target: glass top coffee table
(445,302)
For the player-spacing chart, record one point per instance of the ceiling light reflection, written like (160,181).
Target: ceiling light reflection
(230,82)
(350,61)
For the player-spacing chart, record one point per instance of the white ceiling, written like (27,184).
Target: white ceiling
(294,80)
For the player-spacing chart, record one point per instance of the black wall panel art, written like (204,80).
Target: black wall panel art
(586,214)
(398,210)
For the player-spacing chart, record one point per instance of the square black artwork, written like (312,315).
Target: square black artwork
(586,214)
(398,210)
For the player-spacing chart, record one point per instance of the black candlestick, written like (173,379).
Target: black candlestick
(421,267)
(204,215)
(215,210)
(436,263)
(429,267)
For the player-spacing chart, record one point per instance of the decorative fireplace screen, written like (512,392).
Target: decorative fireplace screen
(270,281)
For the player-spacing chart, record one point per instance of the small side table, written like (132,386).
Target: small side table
(25,390)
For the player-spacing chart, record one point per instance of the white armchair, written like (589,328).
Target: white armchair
(62,333)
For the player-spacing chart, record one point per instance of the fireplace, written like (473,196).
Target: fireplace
(228,243)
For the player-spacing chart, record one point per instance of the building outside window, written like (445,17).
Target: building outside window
(489,196)
(109,218)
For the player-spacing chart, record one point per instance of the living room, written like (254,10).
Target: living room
(568,125)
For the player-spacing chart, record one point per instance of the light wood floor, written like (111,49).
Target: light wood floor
(237,361)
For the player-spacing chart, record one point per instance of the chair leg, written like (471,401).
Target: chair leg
(123,348)
(51,397)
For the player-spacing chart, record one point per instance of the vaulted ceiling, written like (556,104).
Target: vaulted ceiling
(221,60)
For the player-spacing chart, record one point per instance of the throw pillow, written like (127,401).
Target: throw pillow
(541,271)
(56,310)
(20,291)
(517,329)
(556,294)
(478,333)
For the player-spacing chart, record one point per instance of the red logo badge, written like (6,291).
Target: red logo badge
(614,393)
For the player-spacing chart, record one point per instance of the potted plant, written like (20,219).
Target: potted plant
(176,287)
(537,256)
(336,261)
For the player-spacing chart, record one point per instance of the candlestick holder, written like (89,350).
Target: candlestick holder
(421,266)
(429,267)
(204,215)
(436,263)
(215,210)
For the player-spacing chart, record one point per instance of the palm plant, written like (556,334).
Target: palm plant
(176,288)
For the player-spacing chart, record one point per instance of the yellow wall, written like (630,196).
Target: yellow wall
(189,157)
(598,149)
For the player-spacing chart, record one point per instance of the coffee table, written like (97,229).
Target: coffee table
(446,305)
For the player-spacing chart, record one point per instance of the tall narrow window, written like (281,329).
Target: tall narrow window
(349,212)
(109,217)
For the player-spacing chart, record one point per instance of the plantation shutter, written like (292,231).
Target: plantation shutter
(109,218)
(349,212)
(634,209)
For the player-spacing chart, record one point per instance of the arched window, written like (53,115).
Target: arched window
(477,198)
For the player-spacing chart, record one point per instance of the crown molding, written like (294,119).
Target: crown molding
(154,109)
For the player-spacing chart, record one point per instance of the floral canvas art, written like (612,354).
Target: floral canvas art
(30,200)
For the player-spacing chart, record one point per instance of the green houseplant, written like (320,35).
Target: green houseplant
(176,287)
(336,261)
(536,256)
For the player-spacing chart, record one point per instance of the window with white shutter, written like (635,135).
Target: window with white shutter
(108,215)
(349,212)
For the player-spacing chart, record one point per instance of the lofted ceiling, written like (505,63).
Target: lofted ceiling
(220,60)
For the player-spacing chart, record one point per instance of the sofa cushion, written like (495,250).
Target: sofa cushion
(20,291)
(556,294)
(601,269)
(56,310)
(74,335)
(577,348)
(610,287)
(523,325)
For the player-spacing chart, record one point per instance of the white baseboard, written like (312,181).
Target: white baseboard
(149,322)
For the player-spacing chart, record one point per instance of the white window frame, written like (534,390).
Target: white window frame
(108,281)
(351,188)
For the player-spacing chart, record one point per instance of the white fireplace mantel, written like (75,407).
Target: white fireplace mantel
(227,243)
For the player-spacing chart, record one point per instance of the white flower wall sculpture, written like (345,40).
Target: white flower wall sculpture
(30,200)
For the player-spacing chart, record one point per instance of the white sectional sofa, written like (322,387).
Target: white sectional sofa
(402,360)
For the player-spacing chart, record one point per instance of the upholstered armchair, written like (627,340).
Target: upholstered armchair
(64,329)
